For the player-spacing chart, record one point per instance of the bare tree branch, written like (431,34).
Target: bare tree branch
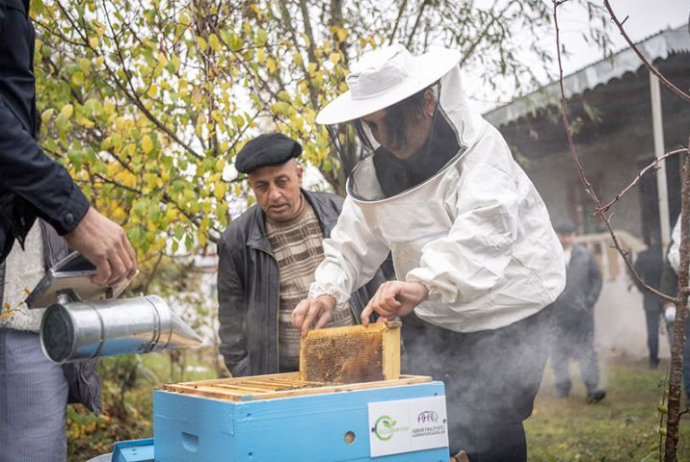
(410,37)
(583,178)
(657,161)
(649,65)
(391,38)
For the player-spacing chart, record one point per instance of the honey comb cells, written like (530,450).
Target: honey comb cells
(352,354)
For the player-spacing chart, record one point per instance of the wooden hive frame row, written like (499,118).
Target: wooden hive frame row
(274,386)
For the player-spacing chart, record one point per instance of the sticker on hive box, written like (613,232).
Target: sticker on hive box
(407,425)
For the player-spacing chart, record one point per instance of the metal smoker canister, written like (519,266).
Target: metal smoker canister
(81,330)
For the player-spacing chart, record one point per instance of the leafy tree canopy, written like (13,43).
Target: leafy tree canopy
(148,101)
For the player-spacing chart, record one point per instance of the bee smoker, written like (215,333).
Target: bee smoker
(77,330)
(84,320)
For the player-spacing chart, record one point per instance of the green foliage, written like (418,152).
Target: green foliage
(128,384)
(147,102)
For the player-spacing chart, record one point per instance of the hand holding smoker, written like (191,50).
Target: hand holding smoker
(84,320)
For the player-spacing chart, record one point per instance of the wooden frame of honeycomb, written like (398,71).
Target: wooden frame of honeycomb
(352,354)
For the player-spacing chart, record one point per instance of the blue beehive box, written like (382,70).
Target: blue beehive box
(280,418)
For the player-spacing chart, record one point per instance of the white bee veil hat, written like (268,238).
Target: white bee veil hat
(384,77)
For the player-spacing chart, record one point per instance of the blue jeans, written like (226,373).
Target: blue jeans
(33,401)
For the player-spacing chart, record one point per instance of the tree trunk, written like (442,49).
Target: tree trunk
(675,375)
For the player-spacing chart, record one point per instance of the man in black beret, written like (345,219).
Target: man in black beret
(574,316)
(267,259)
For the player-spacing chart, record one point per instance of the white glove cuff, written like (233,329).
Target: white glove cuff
(317,289)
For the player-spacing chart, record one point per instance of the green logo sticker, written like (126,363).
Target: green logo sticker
(385,428)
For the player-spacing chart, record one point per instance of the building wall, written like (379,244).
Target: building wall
(610,164)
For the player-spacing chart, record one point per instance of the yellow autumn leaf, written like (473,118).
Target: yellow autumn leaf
(108,108)
(171,215)
(147,144)
(297,122)
(47,114)
(94,42)
(202,43)
(219,190)
(118,215)
(162,59)
(99,61)
(271,64)
(214,42)
(216,115)
(342,34)
(67,110)
(84,122)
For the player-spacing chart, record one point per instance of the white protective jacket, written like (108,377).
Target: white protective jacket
(477,233)
(674,249)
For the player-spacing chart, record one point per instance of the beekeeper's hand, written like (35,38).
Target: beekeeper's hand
(319,309)
(395,298)
(105,244)
(670,312)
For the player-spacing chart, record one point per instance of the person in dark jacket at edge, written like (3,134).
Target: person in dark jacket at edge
(649,266)
(34,392)
(267,258)
(574,316)
(669,286)
(34,186)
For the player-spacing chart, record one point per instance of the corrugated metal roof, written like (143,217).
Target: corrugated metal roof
(660,45)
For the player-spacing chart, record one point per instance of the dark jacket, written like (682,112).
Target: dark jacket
(649,266)
(31,184)
(249,288)
(669,279)
(82,376)
(582,287)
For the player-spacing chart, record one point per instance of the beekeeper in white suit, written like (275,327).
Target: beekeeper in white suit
(475,255)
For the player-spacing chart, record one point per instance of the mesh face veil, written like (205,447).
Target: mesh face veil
(396,148)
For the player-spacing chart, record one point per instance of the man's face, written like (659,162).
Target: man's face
(277,190)
(567,240)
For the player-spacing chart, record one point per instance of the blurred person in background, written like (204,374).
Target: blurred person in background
(574,317)
(649,266)
(669,286)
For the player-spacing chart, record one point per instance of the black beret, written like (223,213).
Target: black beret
(564,227)
(264,150)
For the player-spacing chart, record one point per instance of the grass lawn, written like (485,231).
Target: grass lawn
(623,427)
